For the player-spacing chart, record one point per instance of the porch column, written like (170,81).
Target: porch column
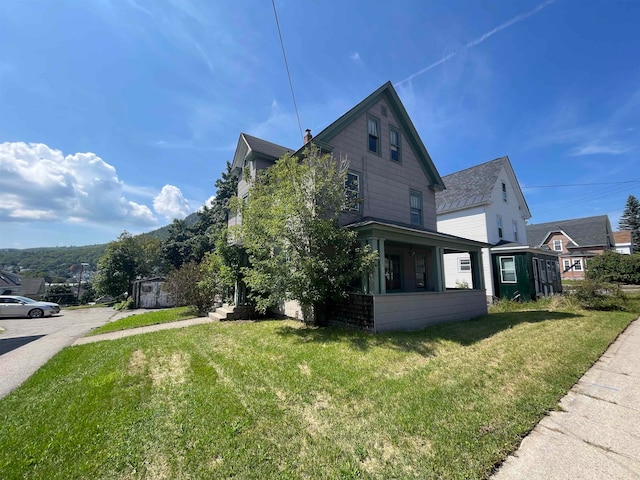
(438,269)
(378,284)
(477,278)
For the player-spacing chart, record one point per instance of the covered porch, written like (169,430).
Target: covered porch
(407,287)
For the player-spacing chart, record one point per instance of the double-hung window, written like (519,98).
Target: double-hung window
(464,264)
(416,208)
(515,230)
(352,192)
(577,265)
(500,230)
(373,130)
(394,144)
(557,245)
(504,191)
(508,270)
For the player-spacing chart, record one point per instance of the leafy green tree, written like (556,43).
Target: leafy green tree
(630,220)
(61,294)
(291,233)
(119,266)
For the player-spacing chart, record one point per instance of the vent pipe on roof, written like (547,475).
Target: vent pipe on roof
(307,136)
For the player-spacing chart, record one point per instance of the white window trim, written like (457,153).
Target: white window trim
(466,260)
(397,131)
(500,227)
(419,196)
(502,270)
(378,127)
(554,245)
(504,191)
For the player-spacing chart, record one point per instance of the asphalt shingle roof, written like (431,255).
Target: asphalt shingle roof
(469,187)
(583,231)
(266,148)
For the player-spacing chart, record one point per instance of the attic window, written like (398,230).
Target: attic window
(373,129)
(504,191)
(557,245)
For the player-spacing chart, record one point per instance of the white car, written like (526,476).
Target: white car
(17,306)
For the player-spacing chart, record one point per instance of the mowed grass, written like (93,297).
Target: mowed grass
(276,399)
(145,319)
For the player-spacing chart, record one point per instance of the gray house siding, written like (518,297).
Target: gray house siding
(385,184)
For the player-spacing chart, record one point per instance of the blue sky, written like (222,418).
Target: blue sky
(120,114)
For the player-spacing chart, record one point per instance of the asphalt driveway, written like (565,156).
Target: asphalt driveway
(28,343)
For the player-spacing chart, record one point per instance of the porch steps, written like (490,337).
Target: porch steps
(232,312)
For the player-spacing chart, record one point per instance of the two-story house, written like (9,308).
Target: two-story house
(485,203)
(395,180)
(575,240)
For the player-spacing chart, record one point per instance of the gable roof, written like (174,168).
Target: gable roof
(588,231)
(250,147)
(388,93)
(473,186)
(8,279)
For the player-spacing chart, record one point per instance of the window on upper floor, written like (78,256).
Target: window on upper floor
(557,245)
(504,191)
(352,191)
(500,230)
(514,223)
(373,130)
(394,144)
(416,208)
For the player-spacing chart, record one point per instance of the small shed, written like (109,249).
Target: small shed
(150,293)
(525,273)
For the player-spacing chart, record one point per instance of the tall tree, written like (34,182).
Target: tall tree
(190,243)
(290,230)
(630,220)
(119,266)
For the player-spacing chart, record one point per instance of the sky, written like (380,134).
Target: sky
(120,114)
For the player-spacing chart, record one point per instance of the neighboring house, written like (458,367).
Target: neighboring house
(10,283)
(576,241)
(33,287)
(485,203)
(622,241)
(395,180)
(150,293)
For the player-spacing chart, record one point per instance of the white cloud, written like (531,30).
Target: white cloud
(355,56)
(38,183)
(595,149)
(171,203)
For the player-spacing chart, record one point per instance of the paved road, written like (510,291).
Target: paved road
(28,343)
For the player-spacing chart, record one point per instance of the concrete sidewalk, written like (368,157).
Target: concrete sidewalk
(137,331)
(596,434)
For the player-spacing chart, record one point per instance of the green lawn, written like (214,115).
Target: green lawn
(276,399)
(144,319)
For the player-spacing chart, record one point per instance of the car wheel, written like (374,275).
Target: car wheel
(36,313)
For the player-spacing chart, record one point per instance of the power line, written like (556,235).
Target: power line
(295,106)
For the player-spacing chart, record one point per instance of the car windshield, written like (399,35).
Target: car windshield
(26,300)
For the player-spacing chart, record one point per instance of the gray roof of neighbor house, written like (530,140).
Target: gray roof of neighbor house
(266,148)
(33,285)
(472,186)
(8,279)
(583,231)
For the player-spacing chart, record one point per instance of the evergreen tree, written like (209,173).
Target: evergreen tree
(630,220)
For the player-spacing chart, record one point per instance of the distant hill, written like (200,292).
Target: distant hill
(57,261)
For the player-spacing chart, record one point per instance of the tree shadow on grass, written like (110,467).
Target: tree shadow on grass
(423,341)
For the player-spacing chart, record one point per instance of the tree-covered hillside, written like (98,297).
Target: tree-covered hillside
(56,261)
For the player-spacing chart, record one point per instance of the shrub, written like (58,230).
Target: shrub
(595,295)
(615,267)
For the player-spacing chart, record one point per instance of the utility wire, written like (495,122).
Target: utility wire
(295,106)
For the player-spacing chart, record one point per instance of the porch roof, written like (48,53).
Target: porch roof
(405,233)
